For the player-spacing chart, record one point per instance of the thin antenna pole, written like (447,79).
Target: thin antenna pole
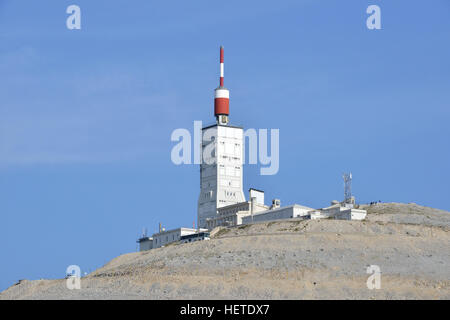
(221,67)
(347,187)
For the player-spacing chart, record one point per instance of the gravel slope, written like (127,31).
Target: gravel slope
(323,259)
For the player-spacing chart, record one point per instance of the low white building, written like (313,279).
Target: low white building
(351,214)
(200,236)
(343,212)
(234,214)
(289,212)
(317,214)
(165,237)
(145,243)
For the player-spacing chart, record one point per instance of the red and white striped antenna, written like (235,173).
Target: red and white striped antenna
(221,96)
(221,66)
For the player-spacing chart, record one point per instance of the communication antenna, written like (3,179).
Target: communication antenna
(347,187)
(221,97)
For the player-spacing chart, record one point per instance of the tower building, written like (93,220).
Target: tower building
(221,172)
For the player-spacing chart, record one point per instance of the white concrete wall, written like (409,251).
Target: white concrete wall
(358,214)
(259,195)
(333,210)
(166,237)
(300,211)
(318,215)
(232,215)
(194,240)
(220,182)
(289,212)
(343,215)
(351,214)
(145,245)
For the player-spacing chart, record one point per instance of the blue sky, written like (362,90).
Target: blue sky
(86,115)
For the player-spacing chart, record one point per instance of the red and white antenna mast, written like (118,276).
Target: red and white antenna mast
(221,97)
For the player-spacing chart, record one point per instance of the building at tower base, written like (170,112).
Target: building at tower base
(341,211)
(288,212)
(233,215)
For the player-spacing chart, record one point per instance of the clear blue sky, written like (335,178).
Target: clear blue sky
(86,115)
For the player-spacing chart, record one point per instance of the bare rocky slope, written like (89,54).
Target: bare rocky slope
(292,259)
